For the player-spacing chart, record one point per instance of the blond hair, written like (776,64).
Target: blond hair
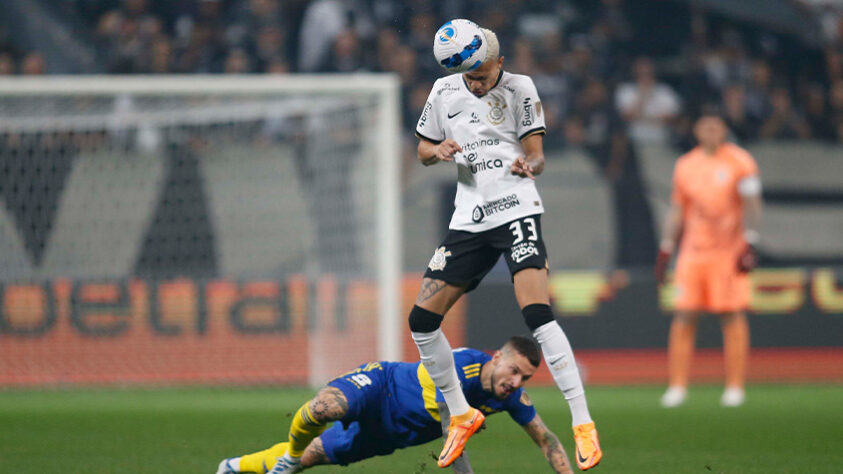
(493,48)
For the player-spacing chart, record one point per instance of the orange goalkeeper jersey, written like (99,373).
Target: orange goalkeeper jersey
(706,187)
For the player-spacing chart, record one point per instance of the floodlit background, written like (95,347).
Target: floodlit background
(224,194)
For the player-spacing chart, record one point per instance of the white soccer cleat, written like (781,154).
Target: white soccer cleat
(229,466)
(286,465)
(674,396)
(733,397)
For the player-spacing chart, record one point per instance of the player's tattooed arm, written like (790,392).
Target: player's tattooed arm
(549,444)
(315,454)
(328,405)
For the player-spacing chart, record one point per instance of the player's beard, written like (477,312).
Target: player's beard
(495,393)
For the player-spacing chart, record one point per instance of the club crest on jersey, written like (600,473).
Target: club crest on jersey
(478,214)
(496,115)
(439,259)
(525,399)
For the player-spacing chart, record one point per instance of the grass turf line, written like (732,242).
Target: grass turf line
(782,429)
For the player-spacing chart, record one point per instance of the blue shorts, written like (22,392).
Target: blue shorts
(360,434)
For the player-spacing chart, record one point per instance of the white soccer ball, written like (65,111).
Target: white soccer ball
(460,46)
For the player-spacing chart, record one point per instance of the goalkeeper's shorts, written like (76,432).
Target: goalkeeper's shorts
(711,283)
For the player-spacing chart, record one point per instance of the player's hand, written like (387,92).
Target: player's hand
(747,260)
(521,168)
(445,150)
(660,268)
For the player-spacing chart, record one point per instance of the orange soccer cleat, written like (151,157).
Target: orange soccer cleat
(460,429)
(589,453)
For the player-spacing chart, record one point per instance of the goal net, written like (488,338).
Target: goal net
(198,229)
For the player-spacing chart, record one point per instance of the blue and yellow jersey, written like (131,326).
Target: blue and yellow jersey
(410,414)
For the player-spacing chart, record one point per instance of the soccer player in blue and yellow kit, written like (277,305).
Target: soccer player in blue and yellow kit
(384,406)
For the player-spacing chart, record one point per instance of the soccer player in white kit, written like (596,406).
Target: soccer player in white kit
(489,124)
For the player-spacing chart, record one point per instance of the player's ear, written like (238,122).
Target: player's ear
(497,356)
(500,61)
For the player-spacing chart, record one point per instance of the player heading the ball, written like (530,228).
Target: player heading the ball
(488,123)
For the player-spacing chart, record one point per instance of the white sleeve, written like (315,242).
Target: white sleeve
(529,116)
(750,186)
(429,127)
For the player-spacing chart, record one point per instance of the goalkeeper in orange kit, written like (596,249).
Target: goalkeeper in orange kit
(716,208)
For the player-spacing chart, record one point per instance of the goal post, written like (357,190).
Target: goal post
(202,224)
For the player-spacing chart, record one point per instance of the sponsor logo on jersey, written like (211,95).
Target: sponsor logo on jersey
(491,208)
(447,88)
(477,214)
(425,112)
(523,251)
(538,108)
(439,259)
(474,118)
(483,165)
(483,142)
(496,115)
(528,112)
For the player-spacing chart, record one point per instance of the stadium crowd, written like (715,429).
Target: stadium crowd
(592,78)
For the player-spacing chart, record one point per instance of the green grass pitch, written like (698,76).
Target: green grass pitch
(782,429)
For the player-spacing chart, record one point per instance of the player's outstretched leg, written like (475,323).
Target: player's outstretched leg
(460,429)
(436,357)
(531,292)
(330,404)
(259,462)
(563,367)
(589,453)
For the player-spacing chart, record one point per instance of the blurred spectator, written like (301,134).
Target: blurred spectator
(7,64)
(347,54)
(648,106)
(743,127)
(817,113)
(595,125)
(237,62)
(729,63)
(269,46)
(784,121)
(758,90)
(836,105)
(323,21)
(33,64)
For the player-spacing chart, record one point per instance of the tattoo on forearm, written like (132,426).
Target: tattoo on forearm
(429,288)
(555,454)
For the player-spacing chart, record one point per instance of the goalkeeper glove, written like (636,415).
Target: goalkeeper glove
(659,270)
(747,260)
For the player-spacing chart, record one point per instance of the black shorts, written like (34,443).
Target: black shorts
(464,258)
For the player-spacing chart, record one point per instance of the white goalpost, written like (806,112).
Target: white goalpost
(268,205)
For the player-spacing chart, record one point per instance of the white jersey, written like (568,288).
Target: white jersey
(489,129)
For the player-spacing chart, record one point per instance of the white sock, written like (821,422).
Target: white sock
(560,360)
(435,354)
(235,464)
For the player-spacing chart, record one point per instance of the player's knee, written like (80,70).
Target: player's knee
(537,315)
(422,320)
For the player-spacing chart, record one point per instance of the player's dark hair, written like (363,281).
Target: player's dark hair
(526,347)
